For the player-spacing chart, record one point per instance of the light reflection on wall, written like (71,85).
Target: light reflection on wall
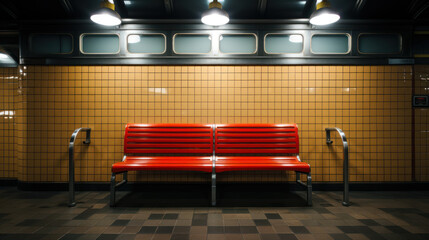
(7,114)
(158,90)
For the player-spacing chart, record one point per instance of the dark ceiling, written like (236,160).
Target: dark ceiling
(17,10)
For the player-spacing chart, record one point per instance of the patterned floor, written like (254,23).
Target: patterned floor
(182,213)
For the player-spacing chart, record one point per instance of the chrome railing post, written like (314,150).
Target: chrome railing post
(87,141)
(346,161)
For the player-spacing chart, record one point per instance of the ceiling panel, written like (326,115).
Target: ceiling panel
(281,9)
(239,9)
(4,15)
(424,14)
(344,7)
(84,8)
(188,9)
(146,9)
(386,9)
(40,9)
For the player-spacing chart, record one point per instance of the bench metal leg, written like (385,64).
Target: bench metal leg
(112,190)
(307,185)
(114,185)
(309,190)
(213,188)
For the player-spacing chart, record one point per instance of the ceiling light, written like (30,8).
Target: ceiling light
(107,15)
(4,56)
(324,14)
(215,15)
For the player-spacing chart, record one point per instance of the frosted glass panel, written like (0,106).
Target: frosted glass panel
(51,44)
(330,44)
(104,43)
(421,44)
(283,43)
(192,44)
(146,43)
(238,43)
(380,43)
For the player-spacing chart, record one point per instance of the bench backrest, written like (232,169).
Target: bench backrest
(168,138)
(257,139)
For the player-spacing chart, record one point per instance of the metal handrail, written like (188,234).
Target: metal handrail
(346,161)
(87,141)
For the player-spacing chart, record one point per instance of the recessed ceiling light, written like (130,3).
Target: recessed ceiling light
(324,14)
(107,15)
(215,15)
(127,2)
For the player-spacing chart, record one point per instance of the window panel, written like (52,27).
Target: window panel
(421,45)
(146,43)
(330,44)
(379,43)
(238,43)
(192,43)
(283,43)
(100,43)
(51,43)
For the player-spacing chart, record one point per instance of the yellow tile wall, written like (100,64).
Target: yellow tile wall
(8,95)
(422,124)
(370,103)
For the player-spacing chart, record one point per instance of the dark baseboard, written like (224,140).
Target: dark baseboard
(38,186)
(8,182)
(394,186)
(102,186)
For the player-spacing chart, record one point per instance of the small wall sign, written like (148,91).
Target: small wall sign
(421,101)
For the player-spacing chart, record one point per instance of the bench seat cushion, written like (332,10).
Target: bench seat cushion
(188,163)
(247,163)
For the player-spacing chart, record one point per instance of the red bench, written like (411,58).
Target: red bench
(235,147)
(186,147)
(245,147)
